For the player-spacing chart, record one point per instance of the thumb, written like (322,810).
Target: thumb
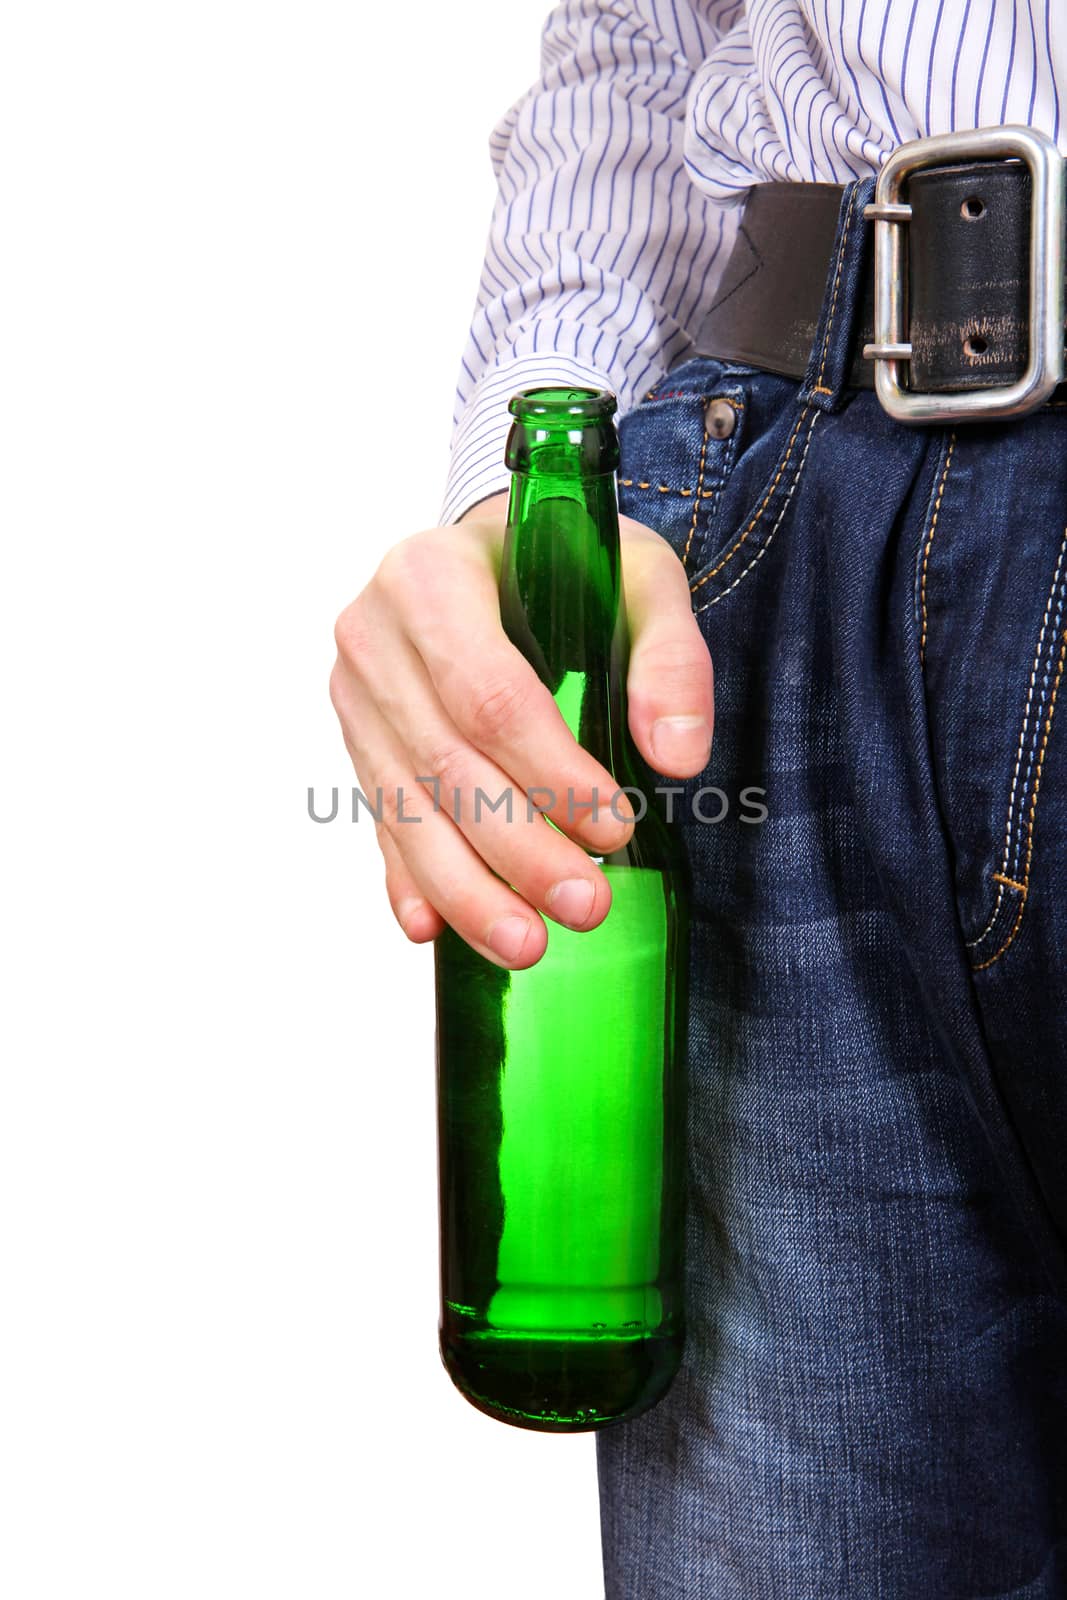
(670,684)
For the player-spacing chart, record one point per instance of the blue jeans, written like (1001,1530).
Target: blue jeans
(872,1403)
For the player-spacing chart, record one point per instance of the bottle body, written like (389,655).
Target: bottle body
(561,1087)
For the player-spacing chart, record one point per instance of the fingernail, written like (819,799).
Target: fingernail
(507,936)
(680,740)
(407,909)
(571,901)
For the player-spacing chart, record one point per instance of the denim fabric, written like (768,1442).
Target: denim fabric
(873,1398)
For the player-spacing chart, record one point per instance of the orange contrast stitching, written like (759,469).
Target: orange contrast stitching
(696,502)
(666,488)
(766,501)
(1024,887)
(762,550)
(929,545)
(982,965)
(1000,877)
(1010,883)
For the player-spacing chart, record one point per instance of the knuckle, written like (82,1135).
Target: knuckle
(446,760)
(350,634)
(495,707)
(398,568)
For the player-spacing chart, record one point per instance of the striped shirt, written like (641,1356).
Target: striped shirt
(621,170)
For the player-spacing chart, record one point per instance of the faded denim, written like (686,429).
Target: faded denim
(873,1398)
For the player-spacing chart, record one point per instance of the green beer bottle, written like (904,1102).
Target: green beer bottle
(561,1087)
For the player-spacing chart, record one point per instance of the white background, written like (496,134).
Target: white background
(241,249)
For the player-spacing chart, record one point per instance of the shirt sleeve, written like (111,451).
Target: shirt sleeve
(600,248)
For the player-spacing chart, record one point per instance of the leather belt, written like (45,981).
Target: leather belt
(968,295)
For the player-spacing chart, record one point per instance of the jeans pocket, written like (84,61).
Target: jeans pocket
(1010,870)
(677,454)
(756,502)
(709,461)
(989,632)
(990,611)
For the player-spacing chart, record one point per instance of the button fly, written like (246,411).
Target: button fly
(720,419)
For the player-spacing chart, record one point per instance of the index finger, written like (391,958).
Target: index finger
(496,699)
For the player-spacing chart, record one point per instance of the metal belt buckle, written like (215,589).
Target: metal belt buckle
(890,349)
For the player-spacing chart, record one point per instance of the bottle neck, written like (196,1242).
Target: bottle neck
(561,600)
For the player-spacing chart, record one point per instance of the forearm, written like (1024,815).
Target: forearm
(599,250)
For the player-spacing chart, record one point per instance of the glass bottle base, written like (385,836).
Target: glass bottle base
(571,1384)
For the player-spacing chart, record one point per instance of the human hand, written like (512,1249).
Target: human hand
(427,684)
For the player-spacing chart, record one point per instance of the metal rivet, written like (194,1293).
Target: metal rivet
(720,419)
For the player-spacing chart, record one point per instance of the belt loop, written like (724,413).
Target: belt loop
(833,348)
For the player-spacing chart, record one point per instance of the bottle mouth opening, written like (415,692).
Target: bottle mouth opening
(557,403)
